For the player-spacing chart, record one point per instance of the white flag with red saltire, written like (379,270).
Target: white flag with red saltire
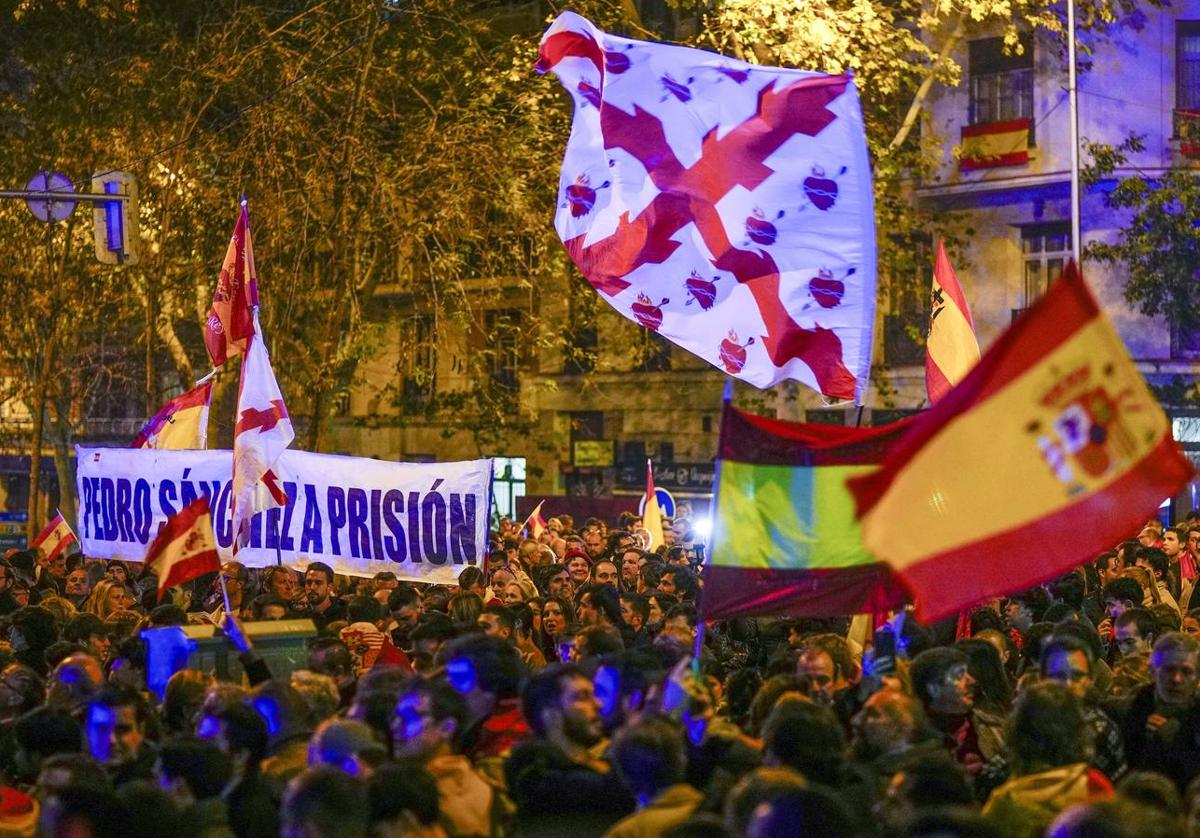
(262,433)
(726,206)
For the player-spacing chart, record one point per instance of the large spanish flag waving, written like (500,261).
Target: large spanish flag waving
(785,541)
(182,423)
(1051,450)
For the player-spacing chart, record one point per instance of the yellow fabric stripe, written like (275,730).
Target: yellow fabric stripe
(986,146)
(787,517)
(183,431)
(952,344)
(986,472)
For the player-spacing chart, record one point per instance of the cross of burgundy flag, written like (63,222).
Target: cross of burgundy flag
(726,206)
(262,432)
(230,321)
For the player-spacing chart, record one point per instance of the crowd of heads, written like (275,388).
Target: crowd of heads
(570,686)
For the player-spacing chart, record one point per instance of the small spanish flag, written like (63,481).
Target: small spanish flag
(994,144)
(55,537)
(185,547)
(1048,452)
(951,349)
(785,541)
(181,424)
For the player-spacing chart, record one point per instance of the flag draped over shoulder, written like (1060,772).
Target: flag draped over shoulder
(726,206)
(952,348)
(230,321)
(262,432)
(181,424)
(1050,451)
(785,541)
(185,547)
(652,513)
(55,537)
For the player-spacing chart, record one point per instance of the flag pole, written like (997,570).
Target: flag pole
(1073,96)
(224,590)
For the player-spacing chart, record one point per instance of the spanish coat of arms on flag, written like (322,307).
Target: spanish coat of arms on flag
(726,206)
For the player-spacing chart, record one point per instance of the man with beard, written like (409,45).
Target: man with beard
(560,780)
(404,604)
(430,717)
(323,607)
(947,692)
(888,731)
(115,731)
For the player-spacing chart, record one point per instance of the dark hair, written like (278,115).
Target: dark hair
(649,756)
(1143,619)
(1082,631)
(933,778)
(262,602)
(403,596)
(328,799)
(686,584)
(330,656)
(84,771)
(246,731)
(684,609)
(444,703)
(183,696)
(394,789)
(1157,559)
(638,604)
(363,609)
(522,615)
(202,765)
(100,809)
(543,692)
(982,619)
(504,614)
(82,626)
(604,599)
(45,731)
(1152,789)
(807,737)
(810,810)
(1124,589)
(323,568)
(1065,644)
(168,614)
(115,696)
(1070,589)
(1047,729)
(1035,599)
(498,665)
(37,626)
(470,577)
(986,667)
(601,640)
(930,667)
(1104,560)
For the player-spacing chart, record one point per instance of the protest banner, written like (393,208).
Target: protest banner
(422,521)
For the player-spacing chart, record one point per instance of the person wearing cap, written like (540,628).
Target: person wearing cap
(347,745)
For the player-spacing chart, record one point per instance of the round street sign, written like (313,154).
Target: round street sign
(666,503)
(50,209)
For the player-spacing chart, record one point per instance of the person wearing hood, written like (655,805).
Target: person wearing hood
(1050,745)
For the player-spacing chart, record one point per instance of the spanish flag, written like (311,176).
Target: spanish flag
(652,512)
(55,537)
(185,547)
(182,423)
(994,144)
(1051,450)
(951,348)
(785,541)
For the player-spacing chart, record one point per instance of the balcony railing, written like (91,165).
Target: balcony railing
(1186,129)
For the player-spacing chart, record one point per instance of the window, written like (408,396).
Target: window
(1045,249)
(508,484)
(418,364)
(1001,84)
(1187,64)
(503,336)
(1185,340)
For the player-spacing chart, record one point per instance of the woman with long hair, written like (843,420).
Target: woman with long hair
(109,596)
(464,609)
(557,616)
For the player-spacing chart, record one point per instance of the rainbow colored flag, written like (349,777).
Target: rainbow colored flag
(1049,451)
(785,541)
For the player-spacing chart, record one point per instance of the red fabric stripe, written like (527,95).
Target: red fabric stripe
(739,592)
(63,544)
(196,397)
(758,439)
(176,525)
(1065,309)
(1043,549)
(1013,158)
(569,43)
(936,384)
(189,569)
(1008,126)
(944,273)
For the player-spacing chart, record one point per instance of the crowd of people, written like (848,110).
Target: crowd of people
(567,688)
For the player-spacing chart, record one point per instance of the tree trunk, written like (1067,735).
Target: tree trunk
(33,525)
